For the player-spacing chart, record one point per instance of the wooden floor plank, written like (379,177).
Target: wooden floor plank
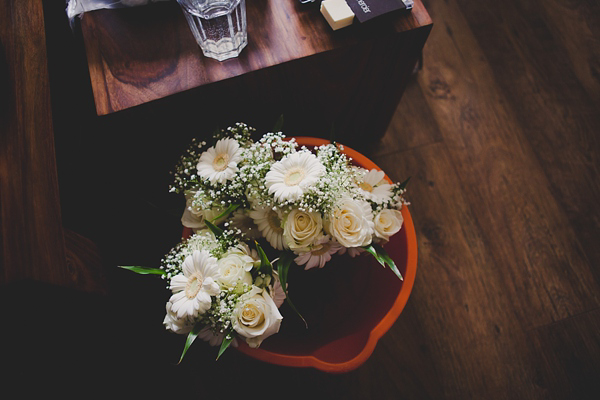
(573,30)
(466,321)
(523,226)
(411,126)
(554,99)
(569,354)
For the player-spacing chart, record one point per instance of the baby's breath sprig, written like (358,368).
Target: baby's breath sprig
(398,199)
(218,318)
(173,260)
(206,196)
(185,174)
(260,157)
(217,246)
(239,131)
(339,179)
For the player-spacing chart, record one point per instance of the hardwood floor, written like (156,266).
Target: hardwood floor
(500,132)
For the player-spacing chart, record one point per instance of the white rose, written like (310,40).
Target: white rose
(256,317)
(177,325)
(203,239)
(194,217)
(235,268)
(351,222)
(243,249)
(388,223)
(301,229)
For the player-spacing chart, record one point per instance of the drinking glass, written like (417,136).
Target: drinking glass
(219,26)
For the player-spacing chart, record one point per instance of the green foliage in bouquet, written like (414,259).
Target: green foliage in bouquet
(258,207)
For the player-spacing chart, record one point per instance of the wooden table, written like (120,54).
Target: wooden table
(294,64)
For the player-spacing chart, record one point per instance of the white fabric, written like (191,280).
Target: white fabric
(76,8)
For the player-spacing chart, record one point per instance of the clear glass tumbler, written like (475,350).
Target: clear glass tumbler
(219,26)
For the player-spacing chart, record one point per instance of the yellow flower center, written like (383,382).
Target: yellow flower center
(194,285)
(220,162)
(366,187)
(294,176)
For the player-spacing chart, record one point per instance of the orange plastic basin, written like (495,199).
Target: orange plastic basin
(348,305)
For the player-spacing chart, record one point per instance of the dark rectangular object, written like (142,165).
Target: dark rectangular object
(366,10)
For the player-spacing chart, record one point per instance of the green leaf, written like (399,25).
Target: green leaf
(283,266)
(213,228)
(383,257)
(265,265)
(403,184)
(225,343)
(279,124)
(388,260)
(229,210)
(143,270)
(190,338)
(371,250)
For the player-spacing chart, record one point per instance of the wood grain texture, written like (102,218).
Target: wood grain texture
(33,245)
(505,178)
(144,54)
(574,345)
(500,152)
(556,103)
(499,133)
(30,209)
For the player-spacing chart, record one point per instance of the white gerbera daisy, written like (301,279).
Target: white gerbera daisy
(374,186)
(352,251)
(278,294)
(218,164)
(192,289)
(241,220)
(292,175)
(214,338)
(269,224)
(320,253)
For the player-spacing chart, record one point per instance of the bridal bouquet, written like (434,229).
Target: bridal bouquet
(255,208)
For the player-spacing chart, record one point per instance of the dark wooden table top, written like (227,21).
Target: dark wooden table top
(143,54)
